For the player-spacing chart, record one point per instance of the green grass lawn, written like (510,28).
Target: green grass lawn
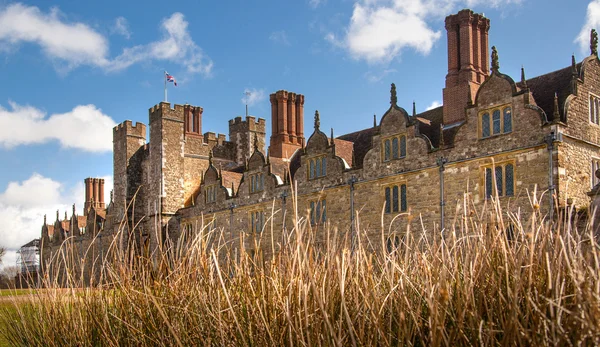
(15,292)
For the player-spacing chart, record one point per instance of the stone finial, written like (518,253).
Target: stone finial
(332,137)
(255,142)
(414,109)
(523,79)
(594,42)
(73,209)
(44,219)
(66,215)
(574,66)
(317,120)
(268,155)
(111,195)
(495,63)
(57,217)
(393,96)
(210,157)
(232,190)
(374,121)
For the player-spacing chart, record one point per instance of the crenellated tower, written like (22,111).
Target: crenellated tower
(242,134)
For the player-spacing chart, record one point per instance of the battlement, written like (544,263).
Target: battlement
(127,128)
(249,120)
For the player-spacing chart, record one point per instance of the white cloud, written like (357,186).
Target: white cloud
(592,21)
(85,127)
(24,204)
(75,44)
(121,27)
(379,30)
(253,96)
(433,105)
(280,37)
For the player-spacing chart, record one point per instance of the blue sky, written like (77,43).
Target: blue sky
(73,69)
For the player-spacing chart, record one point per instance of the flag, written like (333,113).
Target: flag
(170,78)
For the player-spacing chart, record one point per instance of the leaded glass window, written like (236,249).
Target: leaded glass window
(510,179)
(594,109)
(387,150)
(312,169)
(395,198)
(507,120)
(485,125)
(403,146)
(395,148)
(403,204)
(488,182)
(318,212)
(499,180)
(496,122)
(324,166)
(388,200)
(318,165)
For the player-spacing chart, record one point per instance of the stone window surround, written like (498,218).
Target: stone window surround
(252,180)
(321,160)
(258,215)
(401,137)
(313,205)
(594,117)
(595,165)
(482,176)
(490,112)
(210,193)
(398,184)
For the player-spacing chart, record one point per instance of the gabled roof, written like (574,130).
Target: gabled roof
(230,178)
(543,88)
(343,149)
(362,142)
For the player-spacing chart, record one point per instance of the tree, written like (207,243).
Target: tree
(2,252)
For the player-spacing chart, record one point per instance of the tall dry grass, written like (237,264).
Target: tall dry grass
(493,278)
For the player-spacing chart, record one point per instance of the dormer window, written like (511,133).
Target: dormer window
(317,167)
(394,147)
(594,109)
(210,194)
(257,183)
(495,121)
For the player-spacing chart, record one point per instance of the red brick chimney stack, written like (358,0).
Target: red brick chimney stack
(94,194)
(468,62)
(287,121)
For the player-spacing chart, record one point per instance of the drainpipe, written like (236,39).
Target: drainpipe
(284,210)
(232,206)
(550,139)
(441,162)
(351,182)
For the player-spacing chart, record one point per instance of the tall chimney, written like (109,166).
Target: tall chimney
(287,117)
(468,66)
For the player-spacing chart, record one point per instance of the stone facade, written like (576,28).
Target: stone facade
(493,137)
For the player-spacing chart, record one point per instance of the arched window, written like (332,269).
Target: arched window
(485,125)
(507,120)
(403,146)
(395,148)
(496,122)
(387,150)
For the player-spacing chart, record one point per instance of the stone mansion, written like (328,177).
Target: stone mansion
(493,136)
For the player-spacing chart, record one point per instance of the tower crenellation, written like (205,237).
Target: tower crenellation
(242,134)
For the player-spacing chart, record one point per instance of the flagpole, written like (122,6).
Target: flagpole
(165,77)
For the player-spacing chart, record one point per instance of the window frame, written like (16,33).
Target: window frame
(315,206)
(257,182)
(594,165)
(398,198)
(210,194)
(594,112)
(394,147)
(502,191)
(501,109)
(257,215)
(317,167)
